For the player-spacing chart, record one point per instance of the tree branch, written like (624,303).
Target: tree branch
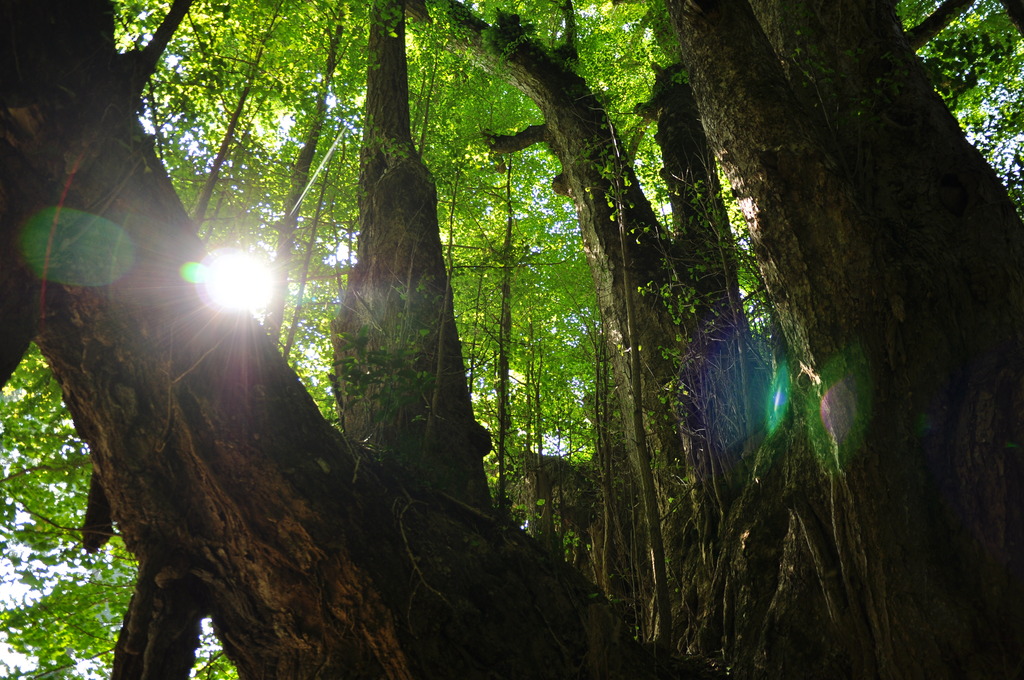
(1015,10)
(568,46)
(535,134)
(941,18)
(148,56)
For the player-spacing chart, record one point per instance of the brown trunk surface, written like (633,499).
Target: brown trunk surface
(397,352)
(882,532)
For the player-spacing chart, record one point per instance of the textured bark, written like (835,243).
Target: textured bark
(882,528)
(397,353)
(238,499)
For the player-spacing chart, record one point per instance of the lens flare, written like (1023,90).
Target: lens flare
(231,279)
(76,248)
(838,410)
(839,416)
(778,397)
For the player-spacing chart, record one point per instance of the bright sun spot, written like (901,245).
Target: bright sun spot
(231,279)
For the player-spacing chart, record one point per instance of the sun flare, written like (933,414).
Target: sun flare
(231,279)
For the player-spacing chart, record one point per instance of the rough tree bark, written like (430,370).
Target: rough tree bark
(883,527)
(398,357)
(238,499)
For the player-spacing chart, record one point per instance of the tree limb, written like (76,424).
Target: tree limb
(1015,10)
(148,56)
(569,37)
(941,18)
(535,134)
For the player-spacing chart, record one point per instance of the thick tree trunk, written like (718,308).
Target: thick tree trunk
(883,527)
(397,353)
(238,499)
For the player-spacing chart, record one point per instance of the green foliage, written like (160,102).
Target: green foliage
(60,608)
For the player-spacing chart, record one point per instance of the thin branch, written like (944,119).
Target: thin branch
(569,35)
(46,520)
(942,17)
(45,468)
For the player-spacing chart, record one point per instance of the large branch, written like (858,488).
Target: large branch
(942,17)
(502,144)
(147,58)
(1015,10)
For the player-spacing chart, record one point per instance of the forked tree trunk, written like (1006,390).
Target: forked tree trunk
(238,499)
(397,352)
(884,525)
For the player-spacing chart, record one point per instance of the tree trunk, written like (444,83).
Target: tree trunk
(238,499)
(1015,10)
(722,384)
(397,352)
(883,527)
(505,346)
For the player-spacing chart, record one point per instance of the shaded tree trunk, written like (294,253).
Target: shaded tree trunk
(505,346)
(722,383)
(883,527)
(1015,10)
(397,353)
